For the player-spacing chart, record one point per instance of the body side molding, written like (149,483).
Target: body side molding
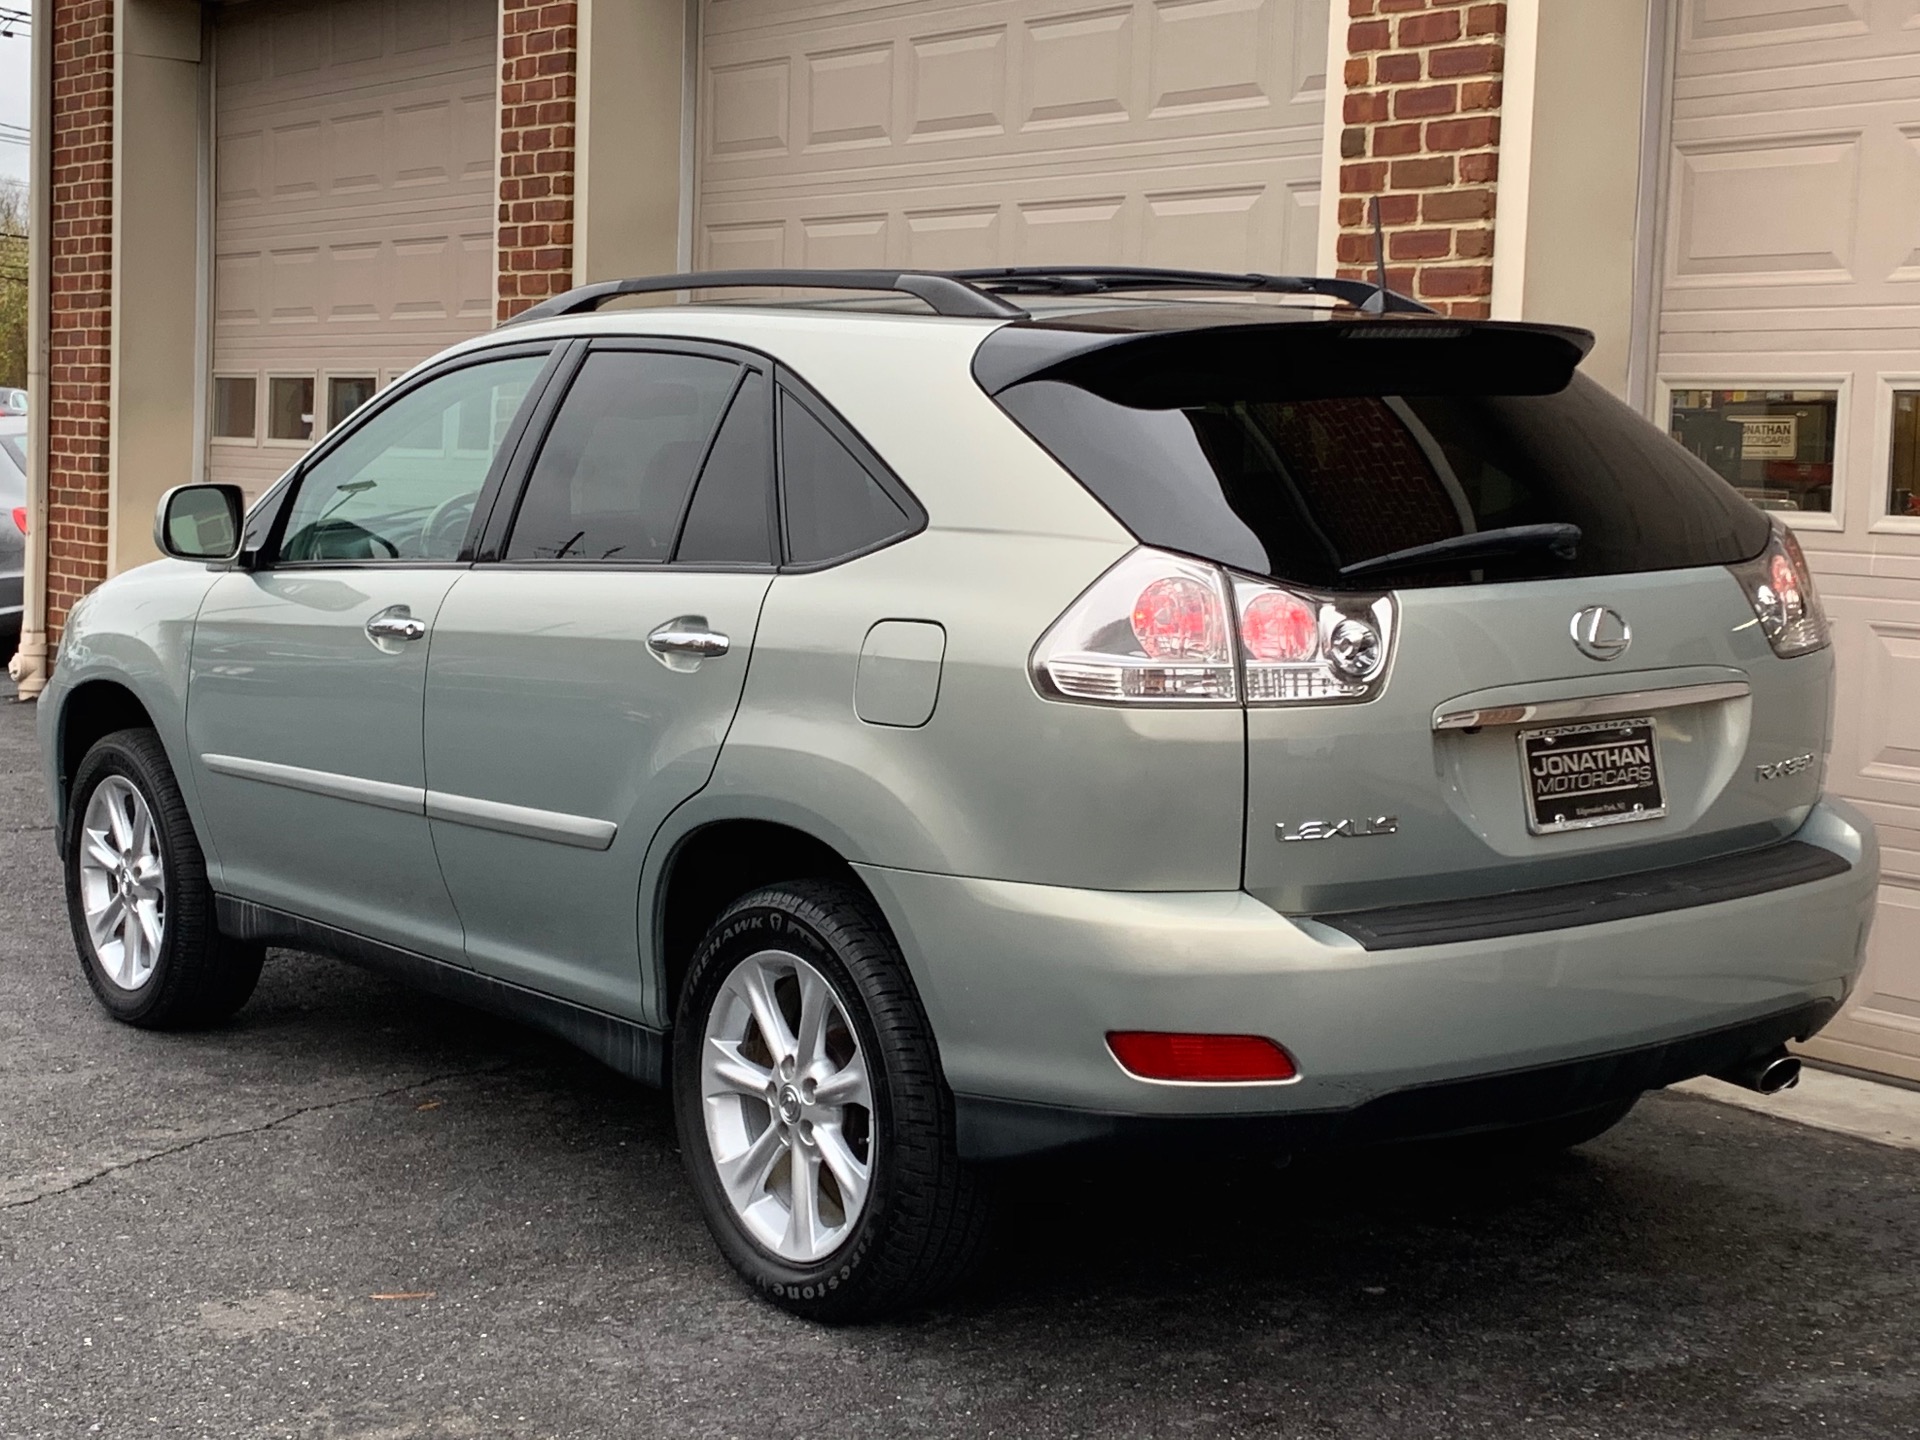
(409,799)
(583,831)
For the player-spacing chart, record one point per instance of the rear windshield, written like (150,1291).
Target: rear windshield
(1298,487)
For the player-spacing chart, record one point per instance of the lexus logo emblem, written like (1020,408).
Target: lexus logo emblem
(1601,633)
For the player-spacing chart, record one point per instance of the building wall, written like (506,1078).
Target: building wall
(539,62)
(81,323)
(1420,135)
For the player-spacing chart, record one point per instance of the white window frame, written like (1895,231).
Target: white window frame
(1840,382)
(1880,521)
(238,442)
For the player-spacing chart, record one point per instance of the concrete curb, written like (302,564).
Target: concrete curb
(1826,1100)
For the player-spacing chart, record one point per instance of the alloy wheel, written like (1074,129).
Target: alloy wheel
(787,1098)
(122,882)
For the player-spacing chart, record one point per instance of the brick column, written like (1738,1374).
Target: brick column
(539,47)
(79,328)
(1422,133)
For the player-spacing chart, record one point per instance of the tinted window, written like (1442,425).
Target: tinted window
(731,515)
(403,485)
(1298,488)
(612,478)
(833,506)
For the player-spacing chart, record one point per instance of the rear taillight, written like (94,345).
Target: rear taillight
(1160,629)
(1154,628)
(1780,588)
(1159,1055)
(20,517)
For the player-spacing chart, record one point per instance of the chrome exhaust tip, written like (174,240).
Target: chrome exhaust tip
(1767,1074)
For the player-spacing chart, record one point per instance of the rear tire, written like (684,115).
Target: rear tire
(137,894)
(884,1214)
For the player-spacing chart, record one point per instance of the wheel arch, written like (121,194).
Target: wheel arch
(89,712)
(713,862)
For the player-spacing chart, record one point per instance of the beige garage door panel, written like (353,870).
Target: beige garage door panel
(354,165)
(1793,255)
(1013,132)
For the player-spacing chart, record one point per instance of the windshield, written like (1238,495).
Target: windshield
(1301,488)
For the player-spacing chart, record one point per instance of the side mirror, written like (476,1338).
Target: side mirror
(200,522)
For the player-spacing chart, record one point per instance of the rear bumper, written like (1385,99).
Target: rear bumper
(1022,983)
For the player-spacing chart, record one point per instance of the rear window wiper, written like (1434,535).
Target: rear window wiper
(1560,539)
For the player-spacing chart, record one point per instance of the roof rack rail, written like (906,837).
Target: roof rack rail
(945,294)
(1104,279)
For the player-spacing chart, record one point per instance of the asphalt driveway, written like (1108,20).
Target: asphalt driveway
(360,1212)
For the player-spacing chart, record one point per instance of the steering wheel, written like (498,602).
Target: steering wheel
(446,527)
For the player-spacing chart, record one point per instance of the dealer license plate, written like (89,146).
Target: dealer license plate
(1603,772)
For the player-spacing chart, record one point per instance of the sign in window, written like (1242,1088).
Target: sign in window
(1774,446)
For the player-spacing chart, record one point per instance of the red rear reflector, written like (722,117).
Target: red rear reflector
(1156,1055)
(20,517)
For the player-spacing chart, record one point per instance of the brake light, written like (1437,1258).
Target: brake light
(1161,628)
(1780,588)
(1157,1055)
(1153,628)
(20,517)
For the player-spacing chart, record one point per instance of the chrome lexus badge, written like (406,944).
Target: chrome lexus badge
(1600,632)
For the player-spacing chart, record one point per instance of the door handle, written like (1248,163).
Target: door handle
(396,622)
(682,643)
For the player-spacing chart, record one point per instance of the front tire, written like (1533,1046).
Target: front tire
(137,894)
(813,1119)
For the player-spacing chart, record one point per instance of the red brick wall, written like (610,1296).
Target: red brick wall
(539,41)
(1422,133)
(79,330)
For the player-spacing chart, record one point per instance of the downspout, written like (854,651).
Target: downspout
(29,667)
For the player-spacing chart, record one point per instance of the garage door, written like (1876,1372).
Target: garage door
(925,134)
(353,215)
(1790,361)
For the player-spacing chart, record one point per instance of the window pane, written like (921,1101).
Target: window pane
(729,519)
(834,507)
(234,399)
(613,475)
(346,394)
(1774,446)
(290,407)
(1903,481)
(402,486)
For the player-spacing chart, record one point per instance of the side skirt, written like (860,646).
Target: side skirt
(636,1051)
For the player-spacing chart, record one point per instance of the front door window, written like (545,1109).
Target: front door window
(402,487)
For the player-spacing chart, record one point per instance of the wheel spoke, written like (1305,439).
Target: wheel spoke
(846,1086)
(99,851)
(816,1003)
(744,1176)
(148,914)
(132,947)
(103,925)
(735,1072)
(140,847)
(848,1169)
(119,823)
(757,986)
(803,1219)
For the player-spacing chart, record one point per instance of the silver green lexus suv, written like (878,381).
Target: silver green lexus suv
(946,718)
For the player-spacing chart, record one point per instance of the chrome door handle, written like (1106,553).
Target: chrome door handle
(395,623)
(686,641)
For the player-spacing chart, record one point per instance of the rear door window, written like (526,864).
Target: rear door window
(730,521)
(613,476)
(1279,469)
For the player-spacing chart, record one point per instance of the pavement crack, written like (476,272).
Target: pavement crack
(167,1152)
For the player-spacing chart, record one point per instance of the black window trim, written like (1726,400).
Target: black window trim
(282,493)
